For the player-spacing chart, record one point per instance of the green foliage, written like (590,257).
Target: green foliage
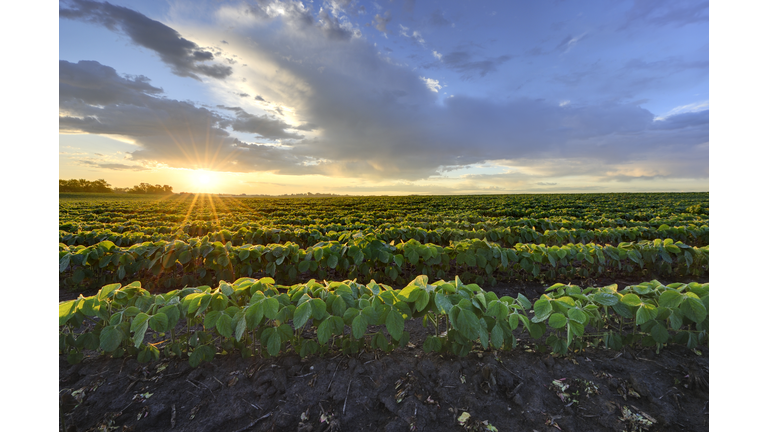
(253,316)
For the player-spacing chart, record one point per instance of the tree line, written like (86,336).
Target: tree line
(101,186)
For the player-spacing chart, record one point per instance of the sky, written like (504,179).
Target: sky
(389,97)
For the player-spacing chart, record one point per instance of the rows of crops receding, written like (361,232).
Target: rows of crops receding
(172,242)
(177,263)
(506,237)
(251,274)
(673,209)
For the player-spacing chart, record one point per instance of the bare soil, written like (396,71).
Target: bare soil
(406,390)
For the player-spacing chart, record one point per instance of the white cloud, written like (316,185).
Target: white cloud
(433,84)
(689,108)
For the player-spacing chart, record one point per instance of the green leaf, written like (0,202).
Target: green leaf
(676,319)
(240,325)
(254,314)
(110,338)
(631,300)
(694,309)
(274,343)
(359,325)
(333,261)
(513,321)
(302,314)
(138,321)
(395,324)
(319,308)
(104,292)
(159,322)
(66,311)
(670,299)
(211,318)
(606,299)
(443,303)
(138,335)
(645,313)
(64,263)
(432,343)
(557,320)
(577,315)
(422,300)
(185,257)
(635,256)
(542,308)
(523,300)
(497,336)
(271,307)
(324,330)
(304,266)
(659,333)
(224,325)
(468,324)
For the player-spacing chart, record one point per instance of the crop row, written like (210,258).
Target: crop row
(159,223)
(506,237)
(639,207)
(178,263)
(255,316)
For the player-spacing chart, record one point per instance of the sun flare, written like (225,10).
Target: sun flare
(203,180)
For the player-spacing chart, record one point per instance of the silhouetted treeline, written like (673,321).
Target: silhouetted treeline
(83,185)
(146,188)
(101,185)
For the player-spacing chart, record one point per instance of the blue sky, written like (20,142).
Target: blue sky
(389,97)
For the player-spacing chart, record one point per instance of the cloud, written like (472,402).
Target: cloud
(95,99)
(97,84)
(268,128)
(662,13)
(466,63)
(381,21)
(363,116)
(433,84)
(184,57)
(114,166)
(569,42)
(332,28)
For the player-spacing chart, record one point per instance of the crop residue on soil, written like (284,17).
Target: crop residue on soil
(407,390)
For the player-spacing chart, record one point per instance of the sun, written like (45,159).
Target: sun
(203,180)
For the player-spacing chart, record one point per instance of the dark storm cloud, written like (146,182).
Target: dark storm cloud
(184,57)
(94,99)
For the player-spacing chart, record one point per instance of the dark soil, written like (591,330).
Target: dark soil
(405,390)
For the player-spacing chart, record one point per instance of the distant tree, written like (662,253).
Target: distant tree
(146,188)
(83,185)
